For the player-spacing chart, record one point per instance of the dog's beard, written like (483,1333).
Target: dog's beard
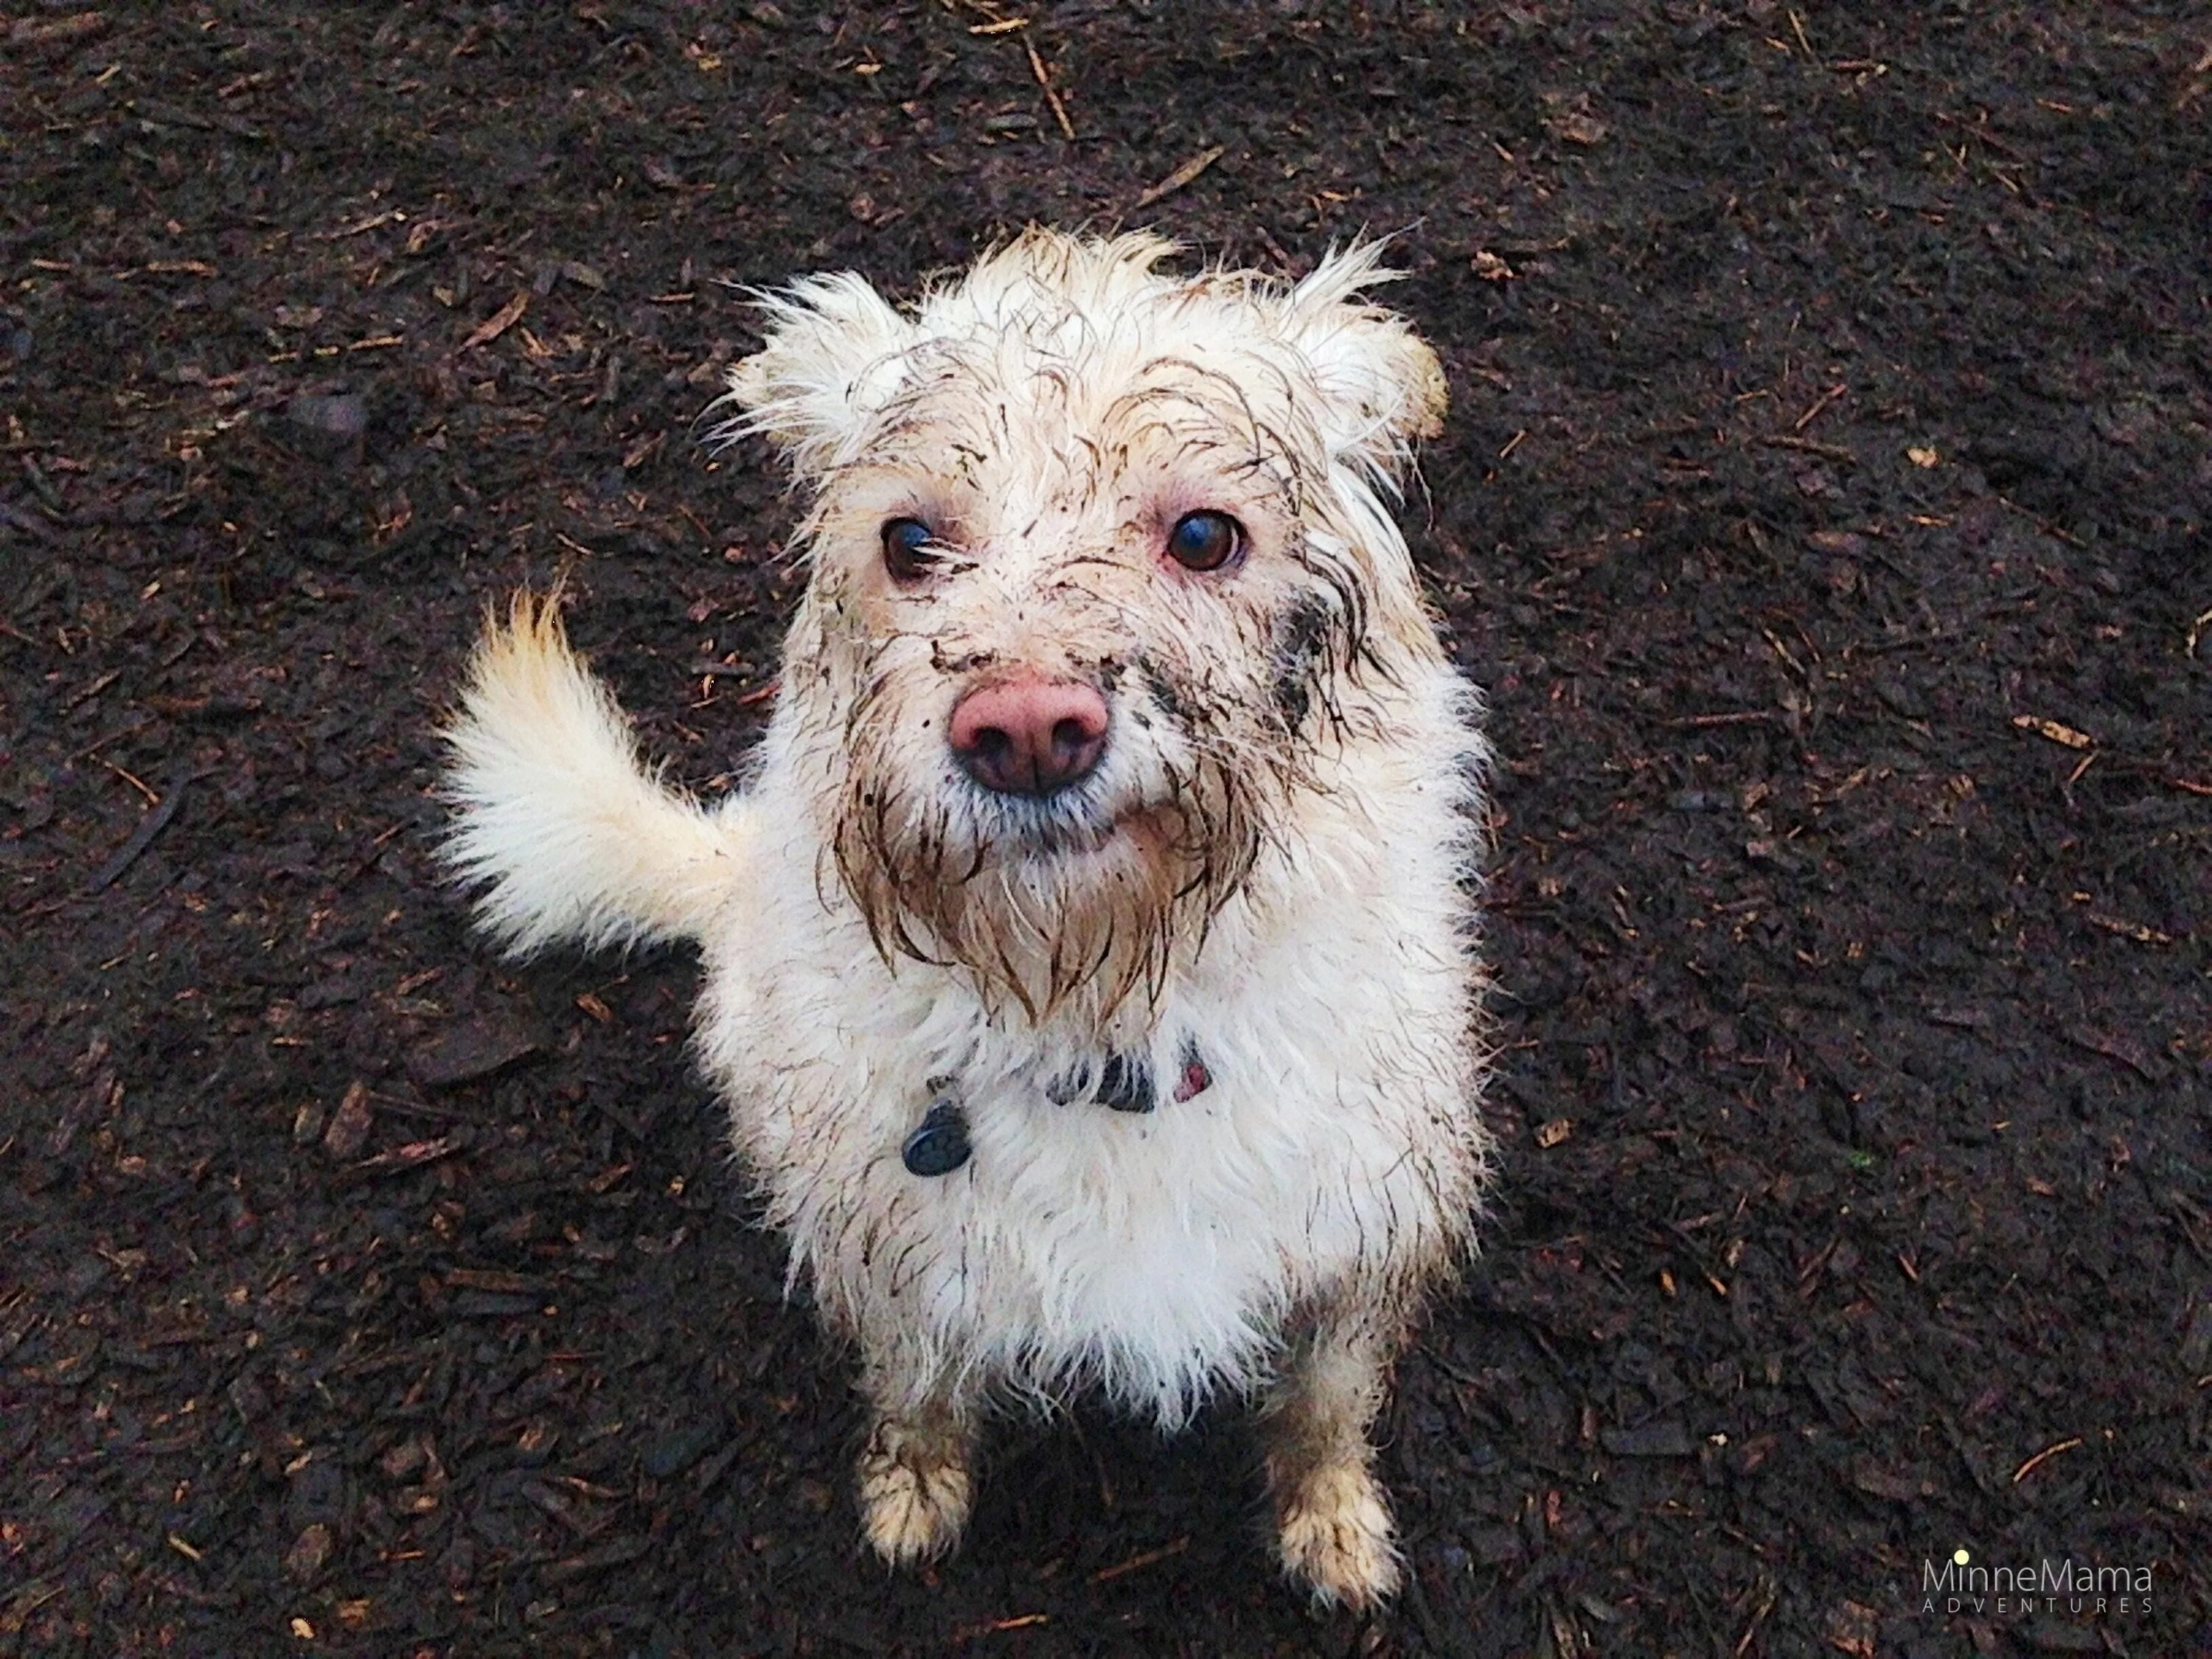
(1056,911)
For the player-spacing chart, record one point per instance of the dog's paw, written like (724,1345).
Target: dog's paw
(915,1492)
(1335,1536)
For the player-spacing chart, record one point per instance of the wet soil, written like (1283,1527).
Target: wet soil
(1824,507)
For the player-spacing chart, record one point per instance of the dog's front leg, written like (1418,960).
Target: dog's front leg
(916,1481)
(1332,1521)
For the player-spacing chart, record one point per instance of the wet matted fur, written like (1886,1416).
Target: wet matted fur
(1260,901)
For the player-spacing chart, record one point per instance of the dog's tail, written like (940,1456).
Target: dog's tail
(572,839)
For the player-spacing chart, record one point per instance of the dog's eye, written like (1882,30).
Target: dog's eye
(1204,541)
(909,548)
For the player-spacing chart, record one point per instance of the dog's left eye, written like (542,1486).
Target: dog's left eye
(1204,541)
(909,548)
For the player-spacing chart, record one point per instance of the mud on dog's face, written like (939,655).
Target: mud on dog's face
(1099,576)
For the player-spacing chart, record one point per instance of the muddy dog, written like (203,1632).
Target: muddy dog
(1090,968)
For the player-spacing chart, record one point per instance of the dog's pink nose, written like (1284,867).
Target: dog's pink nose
(1029,736)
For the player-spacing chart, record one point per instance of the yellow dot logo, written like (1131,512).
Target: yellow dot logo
(1960,1557)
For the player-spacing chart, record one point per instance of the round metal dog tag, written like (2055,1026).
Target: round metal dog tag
(940,1146)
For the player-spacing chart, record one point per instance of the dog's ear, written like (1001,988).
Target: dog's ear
(1380,387)
(832,358)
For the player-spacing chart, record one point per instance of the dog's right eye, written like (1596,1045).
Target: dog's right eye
(908,548)
(1204,541)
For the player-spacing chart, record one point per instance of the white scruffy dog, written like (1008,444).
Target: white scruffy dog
(1090,968)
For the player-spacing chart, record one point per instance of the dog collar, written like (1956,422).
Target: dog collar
(1126,1084)
(940,1143)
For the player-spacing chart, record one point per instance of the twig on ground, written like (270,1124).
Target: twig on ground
(1051,95)
(1806,445)
(1819,406)
(1183,175)
(1106,1574)
(2043,1457)
(155,820)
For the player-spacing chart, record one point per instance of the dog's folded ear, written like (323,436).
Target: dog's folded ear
(1380,388)
(833,357)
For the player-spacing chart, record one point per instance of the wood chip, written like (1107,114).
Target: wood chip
(499,322)
(350,1124)
(57,32)
(1898,1486)
(620,1553)
(2052,730)
(474,1049)
(2135,930)
(88,693)
(413,1155)
(1572,120)
(2112,1046)
(165,114)
(1852,1629)
(1961,1019)
(309,1554)
(1577,128)
(1553,1133)
(494,1279)
(1183,175)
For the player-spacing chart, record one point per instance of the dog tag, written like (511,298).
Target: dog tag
(940,1146)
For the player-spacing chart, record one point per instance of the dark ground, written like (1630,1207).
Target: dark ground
(1824,506)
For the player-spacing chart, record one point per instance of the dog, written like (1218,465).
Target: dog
(1090,956)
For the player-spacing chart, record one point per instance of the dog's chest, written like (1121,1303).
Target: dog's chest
(1143,1217)
(1002,1196)
(1157,1248)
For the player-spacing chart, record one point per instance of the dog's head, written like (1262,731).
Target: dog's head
(1101,573)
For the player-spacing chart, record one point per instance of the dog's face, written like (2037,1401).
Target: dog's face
(1099,576)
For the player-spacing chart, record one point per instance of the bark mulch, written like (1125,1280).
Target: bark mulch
(1823,506)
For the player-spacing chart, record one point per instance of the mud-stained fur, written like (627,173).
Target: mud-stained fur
(1267,877)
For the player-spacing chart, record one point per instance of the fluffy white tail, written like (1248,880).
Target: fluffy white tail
(573,840)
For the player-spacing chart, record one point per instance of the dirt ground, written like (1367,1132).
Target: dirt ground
(1823,507)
